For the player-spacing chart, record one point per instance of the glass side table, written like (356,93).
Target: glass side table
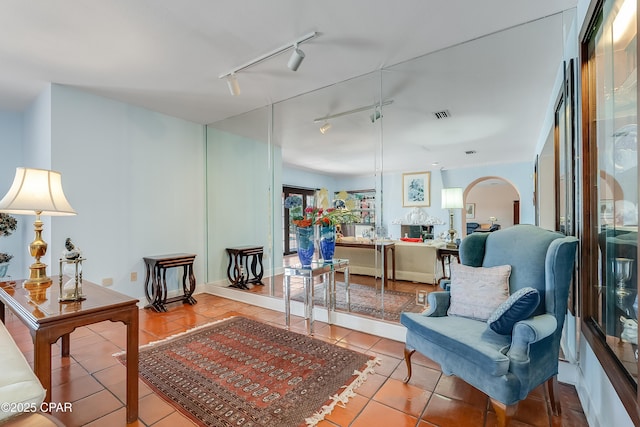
(326,271)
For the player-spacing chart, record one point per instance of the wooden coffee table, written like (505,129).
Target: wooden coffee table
(51,320)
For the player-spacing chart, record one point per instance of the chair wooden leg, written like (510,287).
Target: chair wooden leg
(503,412)
(407,359)
(554,395)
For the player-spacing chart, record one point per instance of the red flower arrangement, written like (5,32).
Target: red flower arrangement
(324,217)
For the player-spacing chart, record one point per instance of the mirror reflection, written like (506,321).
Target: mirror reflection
(454,118)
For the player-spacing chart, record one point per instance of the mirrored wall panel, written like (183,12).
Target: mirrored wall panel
(382,146)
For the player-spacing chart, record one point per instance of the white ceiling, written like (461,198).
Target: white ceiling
(166,55)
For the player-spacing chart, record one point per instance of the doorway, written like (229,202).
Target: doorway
(307,195)
(495,204)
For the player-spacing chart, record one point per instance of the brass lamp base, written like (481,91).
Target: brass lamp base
(38,282)
(451,244)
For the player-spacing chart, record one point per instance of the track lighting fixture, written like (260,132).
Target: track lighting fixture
(296,59)
(325,128)
(294,62)
(376,115)
(234,87)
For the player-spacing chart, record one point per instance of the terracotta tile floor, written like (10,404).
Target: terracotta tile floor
(95,382)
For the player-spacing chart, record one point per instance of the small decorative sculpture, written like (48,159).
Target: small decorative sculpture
(71,252)
(629,330)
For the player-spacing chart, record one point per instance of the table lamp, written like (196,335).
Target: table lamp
(452,199)
(39,192)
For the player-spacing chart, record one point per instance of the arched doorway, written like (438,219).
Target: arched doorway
(491,200)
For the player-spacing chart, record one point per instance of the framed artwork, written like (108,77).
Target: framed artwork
(470,209)
(416,189)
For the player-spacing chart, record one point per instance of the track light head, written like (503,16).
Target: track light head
(234,87)
(325,128)
(294,62)
(296,58)
(375,116)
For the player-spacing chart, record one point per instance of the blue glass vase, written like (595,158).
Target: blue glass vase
(306,247)
(327,242)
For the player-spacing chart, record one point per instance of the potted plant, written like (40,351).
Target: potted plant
(7,227)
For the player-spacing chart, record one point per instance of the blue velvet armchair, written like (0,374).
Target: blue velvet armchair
(505,366)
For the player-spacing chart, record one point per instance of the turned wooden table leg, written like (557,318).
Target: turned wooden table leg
(407,359)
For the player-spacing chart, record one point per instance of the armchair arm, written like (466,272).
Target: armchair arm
(529,331)
(438,304)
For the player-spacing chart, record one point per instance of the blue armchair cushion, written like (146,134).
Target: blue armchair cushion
(462,338)
(477,291)
(519,306)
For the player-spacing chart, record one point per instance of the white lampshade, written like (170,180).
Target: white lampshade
(452,198)
(36,190)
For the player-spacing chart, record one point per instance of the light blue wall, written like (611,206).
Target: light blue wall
(11,137)
(300,178)
(392,203)
(136,180)
(241,194)
(37,132)
(37,154)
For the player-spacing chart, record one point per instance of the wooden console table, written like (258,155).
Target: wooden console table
(156,280)
(446,253)
(238,270)
(383,247)
(50,320)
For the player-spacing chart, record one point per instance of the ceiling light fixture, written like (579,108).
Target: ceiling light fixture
(294,62)
(234,87)
(325,128)
(296,58)
(355,110)
(375,116)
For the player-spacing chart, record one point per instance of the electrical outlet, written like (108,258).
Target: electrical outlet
(107,282)
(134,276)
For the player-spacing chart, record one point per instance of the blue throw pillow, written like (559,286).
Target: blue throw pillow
(519,306)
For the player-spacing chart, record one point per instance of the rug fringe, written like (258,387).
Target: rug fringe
(179,334)
(348,392)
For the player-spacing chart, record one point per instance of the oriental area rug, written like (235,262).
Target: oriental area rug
(241,372)
(366,300)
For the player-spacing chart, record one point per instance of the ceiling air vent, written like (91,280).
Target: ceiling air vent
(442,114)
(470,152)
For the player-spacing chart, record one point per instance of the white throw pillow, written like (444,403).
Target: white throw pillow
(477,291)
